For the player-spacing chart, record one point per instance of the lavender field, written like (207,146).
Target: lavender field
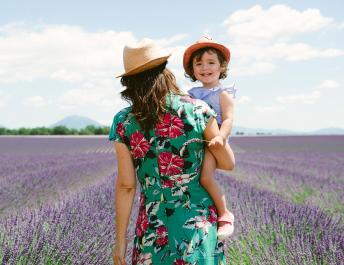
(57,199)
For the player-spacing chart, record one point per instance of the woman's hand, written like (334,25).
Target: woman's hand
(118,254)
(217,141)
(223,154)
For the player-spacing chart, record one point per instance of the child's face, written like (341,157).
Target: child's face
(208,69)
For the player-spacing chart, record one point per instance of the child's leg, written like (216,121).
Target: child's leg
(208,181)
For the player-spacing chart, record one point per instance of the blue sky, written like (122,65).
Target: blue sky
(60,58)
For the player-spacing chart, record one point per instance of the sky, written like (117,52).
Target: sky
(60,58)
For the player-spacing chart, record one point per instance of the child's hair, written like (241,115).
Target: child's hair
(198,55)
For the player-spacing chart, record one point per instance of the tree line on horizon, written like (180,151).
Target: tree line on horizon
(57,130)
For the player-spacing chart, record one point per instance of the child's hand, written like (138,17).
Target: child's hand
(217,141)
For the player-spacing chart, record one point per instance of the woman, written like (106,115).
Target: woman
(160,138)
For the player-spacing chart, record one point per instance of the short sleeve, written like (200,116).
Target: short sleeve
(117,129)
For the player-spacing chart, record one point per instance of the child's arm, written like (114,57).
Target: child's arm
(227,110)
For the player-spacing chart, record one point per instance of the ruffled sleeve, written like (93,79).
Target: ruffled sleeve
(230,89)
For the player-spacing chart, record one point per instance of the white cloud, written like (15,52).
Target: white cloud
(67,53)
(64,75)
(254,68)
(259,37)
(329,84)
(283,51)
(302,51)
(310,98)
(279,22)
(169,41)
(269,109)
(175,61)
(70,54)
(94,93)
(37,101)
(244,100)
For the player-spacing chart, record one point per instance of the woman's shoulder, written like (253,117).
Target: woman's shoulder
(122,115)
(120,121)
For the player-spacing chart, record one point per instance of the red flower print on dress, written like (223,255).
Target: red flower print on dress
(212,217)
(179,262)
(171,126)
(167,183)
(142,219)
(162,234)
(139,145)
(145,259)
(135,255)
(202,223)
(142,222)
(170,164)
(120,130)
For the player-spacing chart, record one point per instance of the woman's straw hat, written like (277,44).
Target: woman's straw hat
(142,56)
(204,41)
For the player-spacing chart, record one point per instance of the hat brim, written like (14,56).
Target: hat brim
(146,66)
(189,51)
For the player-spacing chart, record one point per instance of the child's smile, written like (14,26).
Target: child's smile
(207,70)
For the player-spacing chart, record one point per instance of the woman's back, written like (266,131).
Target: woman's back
(177,218)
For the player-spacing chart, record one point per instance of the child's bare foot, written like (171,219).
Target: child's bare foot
(225,225)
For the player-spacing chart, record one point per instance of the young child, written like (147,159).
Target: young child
(206,61)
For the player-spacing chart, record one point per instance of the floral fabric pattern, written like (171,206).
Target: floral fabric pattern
(176,223)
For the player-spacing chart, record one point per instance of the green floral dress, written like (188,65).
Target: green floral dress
(177,221)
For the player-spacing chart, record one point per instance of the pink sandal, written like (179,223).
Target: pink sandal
(227,229)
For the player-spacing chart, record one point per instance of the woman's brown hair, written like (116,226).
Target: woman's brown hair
(147,92)
(198,55)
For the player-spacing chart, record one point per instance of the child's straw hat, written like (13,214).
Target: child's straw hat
(204,41)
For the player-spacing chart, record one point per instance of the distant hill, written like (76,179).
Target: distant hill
(76,122)
(2,126)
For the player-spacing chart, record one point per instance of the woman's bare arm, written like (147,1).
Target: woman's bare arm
(124,198)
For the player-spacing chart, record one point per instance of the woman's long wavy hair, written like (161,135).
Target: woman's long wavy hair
(147,92)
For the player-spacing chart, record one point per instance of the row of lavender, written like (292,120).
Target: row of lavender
(79,230)
(68,216)
(315,178)
(302,179)
(56,200)
(32,180)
